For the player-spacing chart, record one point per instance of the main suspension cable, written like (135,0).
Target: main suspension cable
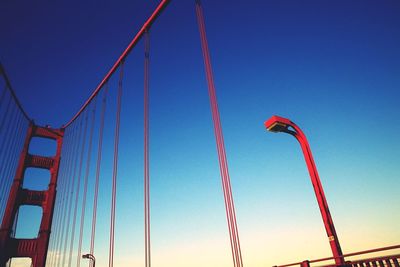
(149,22)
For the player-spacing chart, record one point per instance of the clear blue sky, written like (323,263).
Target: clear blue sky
(330,66)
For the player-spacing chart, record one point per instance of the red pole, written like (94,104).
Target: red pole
(319,193)
(278,124)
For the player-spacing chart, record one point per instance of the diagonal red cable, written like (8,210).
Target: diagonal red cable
(228,198)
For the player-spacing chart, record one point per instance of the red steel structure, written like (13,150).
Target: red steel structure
(381,261)
(279,124)
(35,248)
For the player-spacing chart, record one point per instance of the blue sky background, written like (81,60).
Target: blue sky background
(331,67)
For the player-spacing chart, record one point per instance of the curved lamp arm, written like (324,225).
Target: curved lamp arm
(279,124)
(90,257)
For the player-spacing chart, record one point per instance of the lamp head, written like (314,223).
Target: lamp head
(277,124)
(86,256)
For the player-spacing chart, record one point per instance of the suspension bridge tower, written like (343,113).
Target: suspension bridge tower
(35,248)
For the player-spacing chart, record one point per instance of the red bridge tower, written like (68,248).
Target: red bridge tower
(35,248)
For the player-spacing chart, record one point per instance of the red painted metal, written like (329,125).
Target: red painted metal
(146,26)
(223,163)
(369,261)
(34,248)
(279,124)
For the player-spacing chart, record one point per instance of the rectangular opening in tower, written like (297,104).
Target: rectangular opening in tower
(28,222)
(42,146)
(36,179)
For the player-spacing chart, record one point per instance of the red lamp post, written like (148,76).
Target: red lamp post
(279,124)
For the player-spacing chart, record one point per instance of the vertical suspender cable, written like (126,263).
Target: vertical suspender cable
(63,200)
(75,135)
(85,186)
(6,155)
(5,148)
(98,164)
(228,198)
(8,134)
(5,116)
(115,168)
(59,200)
(10,89)
(68,205)
(11,162)
(3,93)
(9,152)
(78,190)
(146,152)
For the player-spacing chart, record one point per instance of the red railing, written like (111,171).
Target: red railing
(381,261)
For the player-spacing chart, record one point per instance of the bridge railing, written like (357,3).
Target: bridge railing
(392,260)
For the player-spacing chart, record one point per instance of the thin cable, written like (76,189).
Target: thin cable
(8,134)
(11,163)
(68,193)
(146,152)
(64,192)
(65,151)
(228,198)
(213,107)
(72,141)
(14,96)
(5,116)
(115,168)
(123,56)
(5,152)
(98,164)
(83,209)
(3,93)
(78,190)
(69,198)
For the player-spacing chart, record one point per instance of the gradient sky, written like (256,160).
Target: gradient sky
(330,66)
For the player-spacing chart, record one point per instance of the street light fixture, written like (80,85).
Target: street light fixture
(278,124)
(90,257)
